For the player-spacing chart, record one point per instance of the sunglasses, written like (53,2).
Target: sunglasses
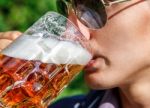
(91,13)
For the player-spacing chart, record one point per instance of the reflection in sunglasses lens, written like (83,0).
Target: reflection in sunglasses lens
(91,13)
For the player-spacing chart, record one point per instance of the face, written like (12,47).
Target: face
(121,49)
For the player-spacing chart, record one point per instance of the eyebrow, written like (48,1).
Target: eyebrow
(125,8)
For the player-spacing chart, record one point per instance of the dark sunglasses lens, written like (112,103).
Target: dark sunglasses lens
(91,13)
(62,7)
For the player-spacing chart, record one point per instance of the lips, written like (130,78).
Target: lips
(98,62)
(90,66)
(91,62)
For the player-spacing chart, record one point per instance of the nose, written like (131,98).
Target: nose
(83,29)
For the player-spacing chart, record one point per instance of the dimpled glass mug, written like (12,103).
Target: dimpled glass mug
(36,67)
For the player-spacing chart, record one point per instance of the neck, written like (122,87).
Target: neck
(136,93)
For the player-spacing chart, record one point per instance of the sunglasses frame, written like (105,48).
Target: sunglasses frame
(106,3)
(109,3)
(69,3)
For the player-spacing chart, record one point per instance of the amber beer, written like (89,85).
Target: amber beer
(37,66)
(32,84)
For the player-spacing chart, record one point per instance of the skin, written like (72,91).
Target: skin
(121,52)
(7,37)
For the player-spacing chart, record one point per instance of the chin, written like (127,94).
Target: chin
(98,83)
(93,83)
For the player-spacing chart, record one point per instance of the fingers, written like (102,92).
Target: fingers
(4,43)
(10,35)
(7,37)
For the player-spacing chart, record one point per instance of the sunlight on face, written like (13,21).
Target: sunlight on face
(122,48)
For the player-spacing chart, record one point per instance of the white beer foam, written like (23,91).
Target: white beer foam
(48,50)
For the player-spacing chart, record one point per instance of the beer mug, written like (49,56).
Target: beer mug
(38,65)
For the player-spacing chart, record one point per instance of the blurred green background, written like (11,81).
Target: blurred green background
(20,15)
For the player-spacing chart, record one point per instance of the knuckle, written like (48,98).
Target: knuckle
(15,34)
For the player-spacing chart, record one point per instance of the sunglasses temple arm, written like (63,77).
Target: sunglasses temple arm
(107,3)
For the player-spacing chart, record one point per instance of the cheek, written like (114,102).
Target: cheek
(121,71)
(127,55)
(127,46)
(125,63)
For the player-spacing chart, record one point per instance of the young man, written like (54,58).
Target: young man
(119,73)
(121,47)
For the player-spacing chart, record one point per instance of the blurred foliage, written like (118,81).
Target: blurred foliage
(20,15)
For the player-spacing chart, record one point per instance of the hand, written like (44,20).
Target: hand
(7,37)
